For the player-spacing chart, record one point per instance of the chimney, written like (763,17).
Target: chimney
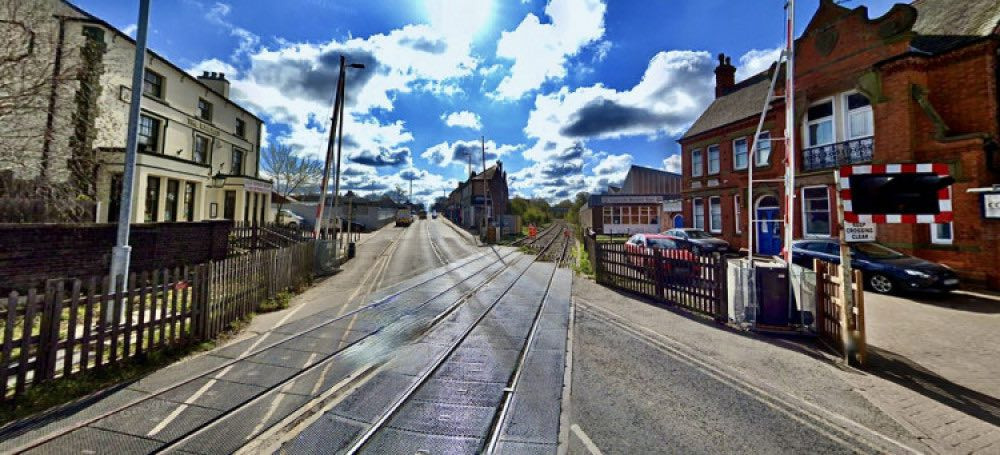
(216,81)
(725,76)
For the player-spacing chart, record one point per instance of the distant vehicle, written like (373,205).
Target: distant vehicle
(699,241)
(643,245)
(288,218)
(884,270)
(434,215)
(403,218)
(423,215)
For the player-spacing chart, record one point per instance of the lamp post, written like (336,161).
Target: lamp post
(121,253)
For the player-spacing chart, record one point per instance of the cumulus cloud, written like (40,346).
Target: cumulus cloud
(464,119)
(459,153)
(383,157)
(130,30)
(614,164)
(214,65)
(756,61)
(672,163)
(540,50)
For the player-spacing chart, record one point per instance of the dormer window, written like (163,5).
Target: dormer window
(820,124)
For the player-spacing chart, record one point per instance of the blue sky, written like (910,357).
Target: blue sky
(568,93)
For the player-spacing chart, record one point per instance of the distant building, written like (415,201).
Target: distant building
(198,151)
(647,202)
(483,194)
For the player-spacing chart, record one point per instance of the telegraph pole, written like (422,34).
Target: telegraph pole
(338,98)
(121,253)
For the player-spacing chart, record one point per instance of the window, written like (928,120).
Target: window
(616,215)
(715,214)
(943,234)
(152,212)
(736,214)
(740,154)
(115,201)
(170,209)
(713,159)
(607,215)
(200,149)
(241,128)
(819,126)
(859,116)
(189,194)
(698,212)
(696,164)
(246,206)
(816,211)
(204,110)
(152,84)
(237,167)
(149,134)
(763,156)
(229,205)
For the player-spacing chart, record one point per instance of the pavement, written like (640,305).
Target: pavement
(641,368)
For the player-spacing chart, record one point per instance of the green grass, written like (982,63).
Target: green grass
(279,302)
(582,263)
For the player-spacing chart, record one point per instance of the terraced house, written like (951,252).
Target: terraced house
(919,84)
(198,155)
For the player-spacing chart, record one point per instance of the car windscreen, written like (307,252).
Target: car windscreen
(698,235)
(663,244)
(877,251)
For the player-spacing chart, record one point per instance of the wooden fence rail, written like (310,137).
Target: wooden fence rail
(75,326)
(830,311)
(665,275)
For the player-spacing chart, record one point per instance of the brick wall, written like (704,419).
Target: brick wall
(32,253)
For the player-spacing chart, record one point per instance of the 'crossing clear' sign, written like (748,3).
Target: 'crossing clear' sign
(859,232)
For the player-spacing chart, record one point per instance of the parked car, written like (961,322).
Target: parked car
(434,215)
(289,218)
(642,247)
(884,270)
(698,241)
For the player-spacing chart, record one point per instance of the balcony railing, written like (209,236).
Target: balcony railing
(854,151)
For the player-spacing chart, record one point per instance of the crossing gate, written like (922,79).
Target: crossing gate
(834,325)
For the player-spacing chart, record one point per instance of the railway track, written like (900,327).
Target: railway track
(553,233)
(262,377)
(383,433)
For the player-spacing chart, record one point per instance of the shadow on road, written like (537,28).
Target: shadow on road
(907,373)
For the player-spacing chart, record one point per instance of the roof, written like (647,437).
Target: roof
(91,18)
(945,24)
(744,100)
(488,173)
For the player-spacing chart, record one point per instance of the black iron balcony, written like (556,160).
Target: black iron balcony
(854,151)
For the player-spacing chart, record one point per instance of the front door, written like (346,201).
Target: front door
(768,227)
(678,221)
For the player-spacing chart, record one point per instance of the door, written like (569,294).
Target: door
(678,221)
(768,226)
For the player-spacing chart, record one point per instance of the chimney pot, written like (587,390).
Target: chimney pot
(725,76)
(204,74)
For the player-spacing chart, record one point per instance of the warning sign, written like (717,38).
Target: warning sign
(859,232)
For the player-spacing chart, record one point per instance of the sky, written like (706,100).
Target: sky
(567,93)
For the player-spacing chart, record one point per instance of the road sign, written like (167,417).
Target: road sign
(896,193)
(991,206)
(859,232)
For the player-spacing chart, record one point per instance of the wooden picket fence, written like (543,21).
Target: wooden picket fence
(829,309)
(76,326)
(668,276)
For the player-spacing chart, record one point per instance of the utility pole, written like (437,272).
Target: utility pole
(482,141)
(121,253)
(338,98)
(340,145)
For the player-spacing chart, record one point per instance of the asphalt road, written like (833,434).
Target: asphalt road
(630,396)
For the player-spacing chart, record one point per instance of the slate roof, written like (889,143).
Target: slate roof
(744,100)
(945,24)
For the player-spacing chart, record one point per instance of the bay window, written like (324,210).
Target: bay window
(859,116)
(819,126)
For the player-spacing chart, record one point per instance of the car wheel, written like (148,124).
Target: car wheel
(881,283)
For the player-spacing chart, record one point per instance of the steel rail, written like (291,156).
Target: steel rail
(440,360)
(70,428)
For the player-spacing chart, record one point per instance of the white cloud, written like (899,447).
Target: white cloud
(464,119)
(672,163)
(540,50)
(130,30)
(614,164)
(214,65)
(459,152)
(218,14)
(756,61)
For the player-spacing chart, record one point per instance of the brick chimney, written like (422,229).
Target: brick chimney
(216,81)
(725,76)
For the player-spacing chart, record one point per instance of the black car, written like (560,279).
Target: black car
(884,270)
(699,241)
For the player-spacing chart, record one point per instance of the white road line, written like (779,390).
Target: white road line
(591,447)
(274,404)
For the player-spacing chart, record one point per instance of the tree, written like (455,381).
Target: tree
(291,172)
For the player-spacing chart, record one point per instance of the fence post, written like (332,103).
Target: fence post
(658,273)
(721,290)
(48,331)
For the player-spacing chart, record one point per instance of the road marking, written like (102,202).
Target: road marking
(785,403)
(591,447)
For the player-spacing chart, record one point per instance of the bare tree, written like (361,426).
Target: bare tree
(290,171)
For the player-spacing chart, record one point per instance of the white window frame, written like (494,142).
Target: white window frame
(746,153)
(697,166)
(770,150)
(847,116)
(833,122)
(698,205)
(736,214)
(718,159)
(805,220)
(934,233)
(714,201)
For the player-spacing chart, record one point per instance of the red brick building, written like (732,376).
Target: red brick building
(918,84)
